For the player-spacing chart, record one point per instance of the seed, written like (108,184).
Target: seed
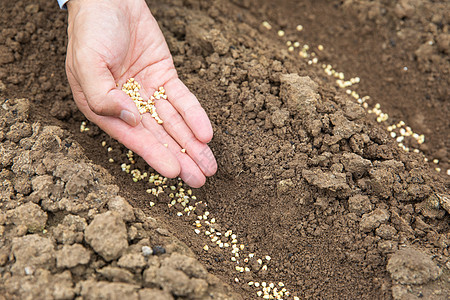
(206,248)
(111,160)
(166,145)
(299,27)
(280,33)
(103,144)
(183,150)
(320,47)
(267,25)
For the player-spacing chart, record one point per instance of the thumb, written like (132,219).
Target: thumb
(103,96)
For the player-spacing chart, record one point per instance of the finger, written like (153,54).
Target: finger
(142,142)
(99,87)
(190,172)
(175,125)
(190,109)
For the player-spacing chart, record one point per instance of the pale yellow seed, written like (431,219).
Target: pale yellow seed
(267,25)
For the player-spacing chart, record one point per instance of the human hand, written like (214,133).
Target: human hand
(111,41)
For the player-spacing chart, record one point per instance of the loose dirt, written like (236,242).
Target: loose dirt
(306,174)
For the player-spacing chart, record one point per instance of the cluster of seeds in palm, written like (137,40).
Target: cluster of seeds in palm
(132,88)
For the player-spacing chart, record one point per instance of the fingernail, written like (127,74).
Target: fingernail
(128,117)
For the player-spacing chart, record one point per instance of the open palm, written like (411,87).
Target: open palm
(111,41)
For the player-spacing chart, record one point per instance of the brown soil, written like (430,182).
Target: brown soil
(305,174)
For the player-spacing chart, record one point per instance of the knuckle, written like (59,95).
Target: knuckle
(97,107)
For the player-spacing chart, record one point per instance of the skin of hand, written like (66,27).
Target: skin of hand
(111,41)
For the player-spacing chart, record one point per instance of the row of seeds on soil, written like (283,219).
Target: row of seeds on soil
(398,131)
(181,198)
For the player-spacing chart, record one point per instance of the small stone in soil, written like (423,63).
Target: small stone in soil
(158,250)
(147,251)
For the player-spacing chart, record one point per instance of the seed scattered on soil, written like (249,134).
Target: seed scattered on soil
(182,199)
(83,127)
(381,116)
(267,25)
